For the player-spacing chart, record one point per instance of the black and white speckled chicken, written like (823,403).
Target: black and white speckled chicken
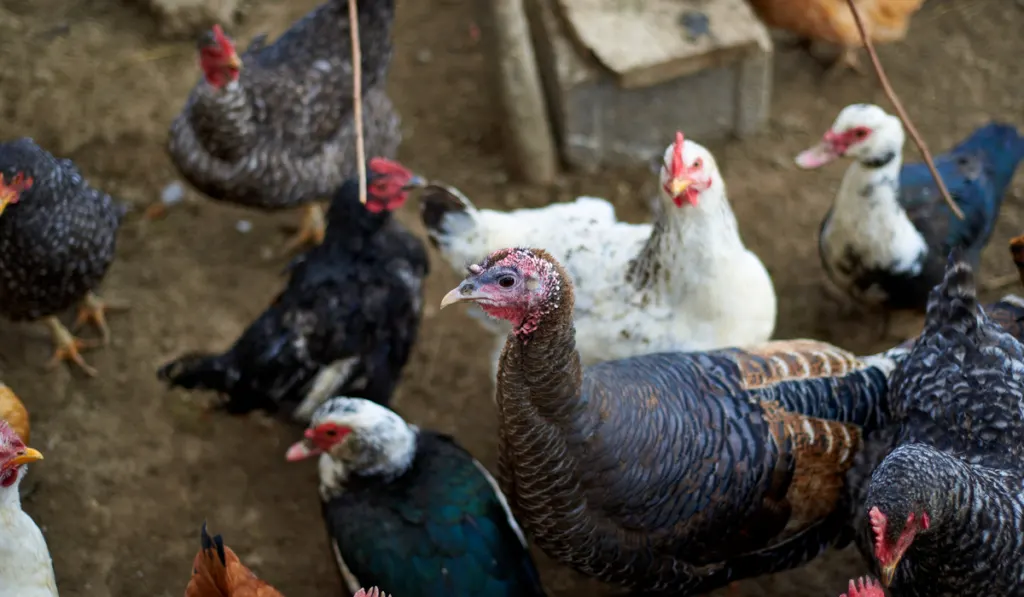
(57,239)
(671,473)
(346,321)
(274,128)
(944,508)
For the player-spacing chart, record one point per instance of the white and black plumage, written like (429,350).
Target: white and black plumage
(885,239)
(945,509)
(57,239)
(274,128)
(411,511)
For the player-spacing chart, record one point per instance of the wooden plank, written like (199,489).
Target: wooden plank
(646,42)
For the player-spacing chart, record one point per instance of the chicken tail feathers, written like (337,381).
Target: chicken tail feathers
(209,568)
(954,302)
(196,370)
(444,211)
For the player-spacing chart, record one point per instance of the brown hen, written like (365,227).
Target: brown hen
(832,21)
(14,412)
(217,572)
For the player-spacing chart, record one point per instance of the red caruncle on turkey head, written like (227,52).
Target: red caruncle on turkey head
(387,185)
(518,285)
(13,455)
(217,58)
(685,173)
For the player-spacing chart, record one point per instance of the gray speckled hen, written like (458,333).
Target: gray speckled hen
(57,239)
(945,509)
(274,129)
(672,473)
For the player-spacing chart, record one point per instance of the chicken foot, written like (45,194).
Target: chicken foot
(848,59)
(94,310)
(311,231)
(68,347)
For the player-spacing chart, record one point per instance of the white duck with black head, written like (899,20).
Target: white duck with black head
(410,510)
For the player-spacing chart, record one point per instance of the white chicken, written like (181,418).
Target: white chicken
(25,566)
(687,282)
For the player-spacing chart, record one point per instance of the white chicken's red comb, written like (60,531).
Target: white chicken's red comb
(865,587)
(374,592)
(677,155)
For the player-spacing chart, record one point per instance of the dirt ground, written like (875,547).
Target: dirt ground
(132,470)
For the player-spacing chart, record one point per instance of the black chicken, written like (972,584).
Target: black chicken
(274,129)
(346,321)
(57,239)
(944,507)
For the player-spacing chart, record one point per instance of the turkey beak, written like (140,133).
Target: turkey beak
(24,457)
(888,572)
(301,451)
(465,292)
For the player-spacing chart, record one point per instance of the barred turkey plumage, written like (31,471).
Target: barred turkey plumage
(671,473)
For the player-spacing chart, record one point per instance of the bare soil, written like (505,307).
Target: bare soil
(132,470)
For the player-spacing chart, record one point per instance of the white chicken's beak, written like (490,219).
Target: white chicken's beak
(24,457)
(678,186)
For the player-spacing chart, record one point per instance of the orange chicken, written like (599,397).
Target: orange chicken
(217,572)
(832,21)
(14,412)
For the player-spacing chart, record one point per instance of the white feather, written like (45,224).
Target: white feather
(26,569)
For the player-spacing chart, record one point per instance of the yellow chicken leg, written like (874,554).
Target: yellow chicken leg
(68,347)
(94,310)
(312,229)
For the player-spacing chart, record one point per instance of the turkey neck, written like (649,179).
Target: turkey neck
(544,421)
(686,242)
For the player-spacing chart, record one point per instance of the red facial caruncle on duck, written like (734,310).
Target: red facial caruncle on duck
(387,191)
(10,192)
(890,553)
(685,182)
(841,142)
(218,59)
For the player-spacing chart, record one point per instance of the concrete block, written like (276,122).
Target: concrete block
(620,79)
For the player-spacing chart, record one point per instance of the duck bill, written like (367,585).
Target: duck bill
(301,451)
(29,455)
(817,156)
(465,292)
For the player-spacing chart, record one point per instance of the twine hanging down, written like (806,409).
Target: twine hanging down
(887,88)
(357,97)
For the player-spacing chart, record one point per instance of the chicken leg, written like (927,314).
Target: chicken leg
(68,347)
(311,231)
(849,58)
(93,310)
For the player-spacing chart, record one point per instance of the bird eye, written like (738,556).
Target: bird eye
(331,432)
(860,133)
(698,163)
(506,281)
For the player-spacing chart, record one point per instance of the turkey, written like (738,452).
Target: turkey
(274,128)
(670,473)
(944,507)
(346,321)
(411,511)
(686,282)
(886,238)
